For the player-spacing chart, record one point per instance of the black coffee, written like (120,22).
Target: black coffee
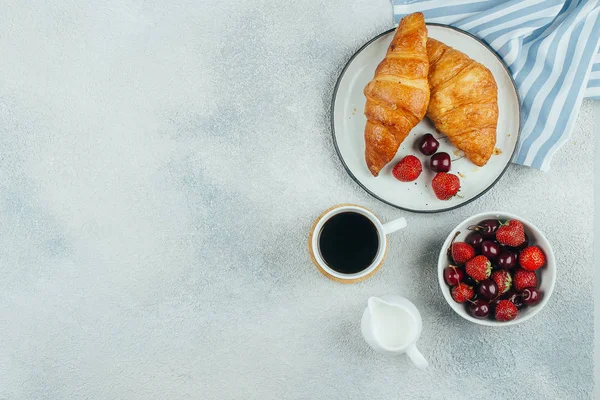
(348,242)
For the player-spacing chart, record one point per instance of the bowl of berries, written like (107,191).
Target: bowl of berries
(496,269)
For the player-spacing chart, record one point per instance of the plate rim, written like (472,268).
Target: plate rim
(355,179)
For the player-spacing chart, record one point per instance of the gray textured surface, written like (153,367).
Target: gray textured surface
(160,166)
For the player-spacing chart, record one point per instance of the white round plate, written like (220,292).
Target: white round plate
(348,124)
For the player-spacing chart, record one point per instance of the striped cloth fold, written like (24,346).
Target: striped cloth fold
(552,50)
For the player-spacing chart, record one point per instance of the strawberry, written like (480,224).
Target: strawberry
(532,258)
(408,169)
(524,279)
(505,311)
(461,252)
(445,186)
(511,233)
(503,280)
(479,268)
(462,293)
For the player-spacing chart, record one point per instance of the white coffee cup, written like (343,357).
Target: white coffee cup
(382,231)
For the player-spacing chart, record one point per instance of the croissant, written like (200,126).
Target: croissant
(464,101)
(398,94)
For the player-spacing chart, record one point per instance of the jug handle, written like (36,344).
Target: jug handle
(416,357)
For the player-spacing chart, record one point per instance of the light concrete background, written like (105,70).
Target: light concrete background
(596,252)
(160,166)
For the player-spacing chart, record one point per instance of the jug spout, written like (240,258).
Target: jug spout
(391,325)
(383,322)
(374,303)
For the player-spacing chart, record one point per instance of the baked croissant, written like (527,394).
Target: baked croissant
(464,101)
(398,95)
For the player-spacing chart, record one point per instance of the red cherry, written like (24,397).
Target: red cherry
(428,144)
(440,162)
(479,308)
(515,298)
(490,249)
(453,275)
(487,289)
(507,259)
(531,296)
(475,240)
(487,228)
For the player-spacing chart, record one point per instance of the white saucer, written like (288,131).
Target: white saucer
(348,123)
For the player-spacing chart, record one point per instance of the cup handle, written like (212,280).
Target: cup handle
(416,357)
(394,225)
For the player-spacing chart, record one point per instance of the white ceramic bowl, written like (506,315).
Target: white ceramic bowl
(546,274)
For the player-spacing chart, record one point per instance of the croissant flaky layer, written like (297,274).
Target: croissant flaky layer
(464,101)
(398,95)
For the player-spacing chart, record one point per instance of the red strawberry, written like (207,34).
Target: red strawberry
(408,169)
(461,252)
(445,185)
(505,311)
(511,233)
(479,268)
(503,280)
(462,293)
(524,279)
(532,258)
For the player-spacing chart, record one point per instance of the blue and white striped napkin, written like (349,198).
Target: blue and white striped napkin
(551,48)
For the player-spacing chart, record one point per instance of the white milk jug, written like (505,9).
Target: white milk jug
(392,325)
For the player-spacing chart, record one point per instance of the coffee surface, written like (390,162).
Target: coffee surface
(348,242)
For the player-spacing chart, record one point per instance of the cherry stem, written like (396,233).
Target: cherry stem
(451,248)
(459,158)
(498,295)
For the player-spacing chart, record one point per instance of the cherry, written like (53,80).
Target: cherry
(507,259)
(531,296)
(487,228)
(487,289)
(474,239)
(515,298)
(440,162)
(479,308)
(428,144)
(453,275)
(490,249)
